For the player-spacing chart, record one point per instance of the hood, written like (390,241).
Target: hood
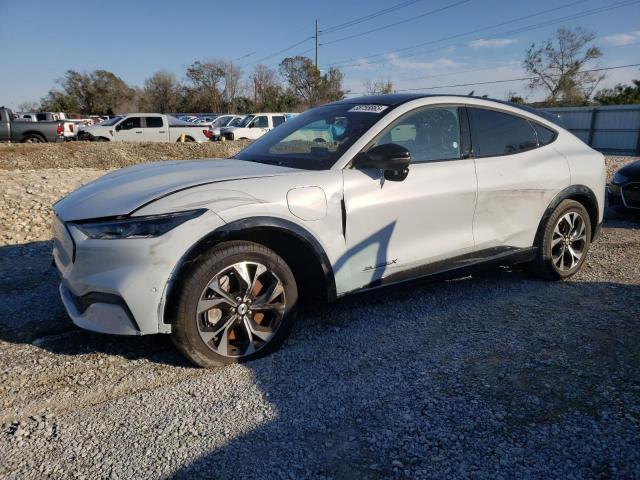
(631,171)
(123,191)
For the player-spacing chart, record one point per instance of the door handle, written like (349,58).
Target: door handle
(162,131)
(139,131)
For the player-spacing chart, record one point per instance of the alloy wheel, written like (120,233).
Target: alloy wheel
(241,309)
(569,241)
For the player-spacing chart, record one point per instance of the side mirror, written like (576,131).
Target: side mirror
(118,127)
(391,158)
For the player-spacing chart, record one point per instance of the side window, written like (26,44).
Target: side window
(261,122)
(431,133)
(130,123)
(154,122)
(497,133)
(545,135)
(41,117)
(277,120)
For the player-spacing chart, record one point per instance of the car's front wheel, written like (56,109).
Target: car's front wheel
(565,242)
(238,303)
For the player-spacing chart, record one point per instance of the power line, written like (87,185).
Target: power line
(417,89)
(275,54)
(470,32)
(371,16)
(518,30)
(400,22)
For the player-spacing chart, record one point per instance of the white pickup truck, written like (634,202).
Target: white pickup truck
(253,126)
(145,127)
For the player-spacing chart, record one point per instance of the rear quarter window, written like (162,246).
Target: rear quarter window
(497,133)
(545,135)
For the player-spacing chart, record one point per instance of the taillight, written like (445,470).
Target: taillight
(207,133)
(60,129)
(71,127)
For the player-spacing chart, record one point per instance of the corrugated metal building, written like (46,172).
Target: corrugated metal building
(613,129)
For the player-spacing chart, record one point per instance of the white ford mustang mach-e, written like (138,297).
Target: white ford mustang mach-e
(348,196)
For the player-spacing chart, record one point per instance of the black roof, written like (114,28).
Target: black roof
(394,99)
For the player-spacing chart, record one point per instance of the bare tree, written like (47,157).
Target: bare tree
(29,107)
(557,65)
(232,85)
(377,86)
(207,83)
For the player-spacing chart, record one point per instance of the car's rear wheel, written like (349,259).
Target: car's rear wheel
(236,305)
(565,242)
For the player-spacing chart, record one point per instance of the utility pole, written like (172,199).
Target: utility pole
(317,44)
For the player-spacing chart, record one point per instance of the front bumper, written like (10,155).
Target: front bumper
(625,196)
(119,286)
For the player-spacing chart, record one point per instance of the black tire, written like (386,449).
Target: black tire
(101,139)
(187,323)
(544,265)
(33,138)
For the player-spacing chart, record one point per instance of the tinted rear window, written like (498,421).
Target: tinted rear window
(154,122)
(498,133)
(277,121)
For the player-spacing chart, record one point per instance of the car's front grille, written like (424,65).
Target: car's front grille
(631,195)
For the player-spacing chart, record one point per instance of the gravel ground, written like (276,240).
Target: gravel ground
(493,375)
(107,154)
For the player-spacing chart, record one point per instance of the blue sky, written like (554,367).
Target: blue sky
(40,40)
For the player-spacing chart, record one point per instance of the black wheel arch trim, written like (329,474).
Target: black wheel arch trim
(565,194)
(253,224)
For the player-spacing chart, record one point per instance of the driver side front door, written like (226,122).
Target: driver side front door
(400,229)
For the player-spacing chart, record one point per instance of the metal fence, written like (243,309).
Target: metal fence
(613,129)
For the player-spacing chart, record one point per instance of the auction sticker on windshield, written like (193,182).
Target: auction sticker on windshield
(369,108)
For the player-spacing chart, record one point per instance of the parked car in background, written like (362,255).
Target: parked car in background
(349,196)
(29,132)
(145,127)
(253,126)
(220,122)
(623,193)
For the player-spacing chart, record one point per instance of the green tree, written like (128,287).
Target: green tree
(557,64)
(308,85)
(620,94)
(161,93)
(99,92)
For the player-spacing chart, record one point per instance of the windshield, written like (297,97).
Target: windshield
(316,139)
(111,121)
(221,121)
(245,121)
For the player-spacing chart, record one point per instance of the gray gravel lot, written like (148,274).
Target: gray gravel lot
(492,375)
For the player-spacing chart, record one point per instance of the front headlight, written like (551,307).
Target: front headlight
(136,227)
(619,178)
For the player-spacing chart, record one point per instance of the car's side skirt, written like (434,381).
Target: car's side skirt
(457,266)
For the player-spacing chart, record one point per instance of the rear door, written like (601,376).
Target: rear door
(277,120)
(259,126)
(129,130)
(154,129)
(518,176)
